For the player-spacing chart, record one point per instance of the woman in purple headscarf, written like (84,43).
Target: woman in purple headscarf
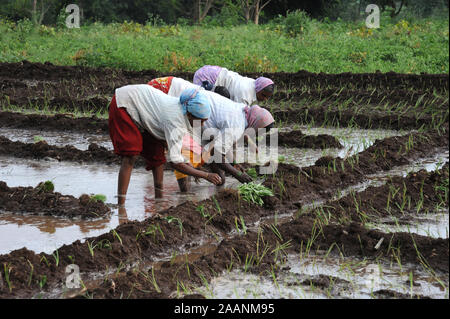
(242,89)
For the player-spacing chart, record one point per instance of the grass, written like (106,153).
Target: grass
(399,46)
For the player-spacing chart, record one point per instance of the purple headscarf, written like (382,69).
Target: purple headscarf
(257,117)
(261,83)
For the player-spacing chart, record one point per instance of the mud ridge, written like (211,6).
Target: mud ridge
(419,192)
(389,80)
(215,218)
(42,200)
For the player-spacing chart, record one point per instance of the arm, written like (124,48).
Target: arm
(189,170)
(227,167)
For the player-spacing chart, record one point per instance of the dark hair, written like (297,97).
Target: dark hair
(270,88)
(207,86)
(271,125)
(222,91)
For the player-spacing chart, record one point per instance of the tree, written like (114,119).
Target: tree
(201,9)
(252,9)
(259,6)
(37,15)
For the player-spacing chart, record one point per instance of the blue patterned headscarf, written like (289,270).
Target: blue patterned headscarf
(196,103)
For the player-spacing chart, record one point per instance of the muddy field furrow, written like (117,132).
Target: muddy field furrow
(246,251)
(367,119)
(42,200)
(418,99)
(66,95)
(340,208)
(58,122)
(183,225)
(99,154)
(292,183)
(390,80)
(418,193)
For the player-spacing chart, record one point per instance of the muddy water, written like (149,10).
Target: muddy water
(301,277)
(76,139)
(352,140)
(434,224)
(45,234)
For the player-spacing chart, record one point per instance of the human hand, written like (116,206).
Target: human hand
(213,178)
(244,178)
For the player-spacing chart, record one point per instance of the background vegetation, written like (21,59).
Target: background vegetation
(175,35)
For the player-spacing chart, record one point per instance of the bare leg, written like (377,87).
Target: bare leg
(158,177)
(124,177)
(184,184)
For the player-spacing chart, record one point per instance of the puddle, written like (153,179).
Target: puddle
(435,225)
(316,277)
(353,141)
(76,139)
(45,234)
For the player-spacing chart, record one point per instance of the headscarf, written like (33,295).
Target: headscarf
(261,83)
(257,117)
(207,86)
(196,103)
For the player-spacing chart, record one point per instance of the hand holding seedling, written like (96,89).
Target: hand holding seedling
(214,178)
(244,178)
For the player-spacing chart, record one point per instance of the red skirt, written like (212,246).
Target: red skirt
(129,141)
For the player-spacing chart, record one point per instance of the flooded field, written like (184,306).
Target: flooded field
(358,205)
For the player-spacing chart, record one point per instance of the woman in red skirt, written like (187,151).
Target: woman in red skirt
(144,121)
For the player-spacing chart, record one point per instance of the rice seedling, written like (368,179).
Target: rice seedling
(249,261)
(219,210)
(56,257)
(91,247)
(170,219)
(43,258)
(116,235)
(31,273)
(253,193)
(252,172)
(38,138)
(7,270)
(242,228)
(42,281)
(98,197)
(201,210)
(46,187)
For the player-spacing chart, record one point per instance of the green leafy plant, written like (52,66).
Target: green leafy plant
(252,172)
(98,197)
(253,193)
(46,187)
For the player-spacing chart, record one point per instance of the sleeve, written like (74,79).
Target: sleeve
(226,138)
(174,138)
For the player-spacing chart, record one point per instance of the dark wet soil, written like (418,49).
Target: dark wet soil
(298,139)
(225,219)
(367,119)
(389,80)
(42,200)
(419,192)
(66,88)
(295,185)
(214,219)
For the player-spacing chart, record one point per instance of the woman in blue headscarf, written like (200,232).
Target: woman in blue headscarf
(144,121)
